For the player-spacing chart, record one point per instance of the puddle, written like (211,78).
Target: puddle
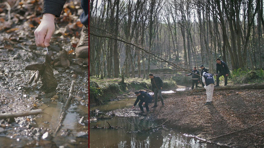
(136,131)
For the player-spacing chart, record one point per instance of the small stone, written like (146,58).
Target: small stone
(74,76)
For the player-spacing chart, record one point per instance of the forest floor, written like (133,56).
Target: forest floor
(235,118)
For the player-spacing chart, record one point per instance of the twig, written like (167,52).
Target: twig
(64,109)
(9,10)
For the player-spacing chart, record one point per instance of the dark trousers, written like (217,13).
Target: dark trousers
(156,93)
(194,82)
(217,78)
(141,107)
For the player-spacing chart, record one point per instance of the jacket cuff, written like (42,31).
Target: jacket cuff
(53,7)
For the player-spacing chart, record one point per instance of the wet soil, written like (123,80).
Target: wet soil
(16,95)
(234,119)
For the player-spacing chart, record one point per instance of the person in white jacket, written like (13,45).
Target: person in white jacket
(208,80)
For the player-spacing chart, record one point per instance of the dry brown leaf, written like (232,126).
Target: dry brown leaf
(9,47)
(31,25)
(12,30)
(79,24)
(71,51)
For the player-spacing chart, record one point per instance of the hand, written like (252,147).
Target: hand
(160,87)
(45,30)
(133,107)
(227,75)
(143,103)
(204,86)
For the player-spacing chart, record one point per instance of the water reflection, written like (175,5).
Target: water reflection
(129,134)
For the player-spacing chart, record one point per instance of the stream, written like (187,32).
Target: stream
(128,129)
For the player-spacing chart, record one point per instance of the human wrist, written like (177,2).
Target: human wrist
(48,17)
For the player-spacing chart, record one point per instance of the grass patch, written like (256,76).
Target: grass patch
(240,76)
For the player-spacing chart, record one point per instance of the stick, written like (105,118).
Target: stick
(64,109)
(9,9)
(12,115)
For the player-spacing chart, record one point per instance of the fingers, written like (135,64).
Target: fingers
(39,37)
(48,37)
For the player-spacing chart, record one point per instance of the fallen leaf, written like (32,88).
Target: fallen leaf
(79,24)
(71,51)
(12,30)
(31,25)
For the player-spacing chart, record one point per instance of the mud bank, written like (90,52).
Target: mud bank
(234,119)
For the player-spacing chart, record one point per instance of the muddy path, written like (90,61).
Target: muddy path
(235,118)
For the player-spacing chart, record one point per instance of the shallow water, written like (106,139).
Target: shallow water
(130,132)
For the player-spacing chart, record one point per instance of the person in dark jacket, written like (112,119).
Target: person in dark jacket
(156,86)
(195,77)
(221,70)
(203,69)
(143,98)
(52,9)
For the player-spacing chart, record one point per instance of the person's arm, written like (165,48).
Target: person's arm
(189,74)
(227,69)
(216,69)
(203,79)
(136,101)
(51,9)
(161,83)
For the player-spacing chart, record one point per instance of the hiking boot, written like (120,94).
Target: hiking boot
(82,47)
(208,103)
(154,106)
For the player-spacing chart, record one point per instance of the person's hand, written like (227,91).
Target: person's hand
(45,30)
(216,74)
(143,103)
(160,87)
(204,86)
(133,107)
(227,75)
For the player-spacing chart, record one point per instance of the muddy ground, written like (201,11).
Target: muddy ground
(234,119)
(18,50)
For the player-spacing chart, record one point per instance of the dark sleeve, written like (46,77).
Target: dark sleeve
(152,87)
(227,69)
(216,68)
(53,7)
(161,82)
(136,101)
(145,95)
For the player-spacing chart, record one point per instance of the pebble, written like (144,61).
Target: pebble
(74,76)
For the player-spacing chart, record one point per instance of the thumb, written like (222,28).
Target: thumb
(48,37)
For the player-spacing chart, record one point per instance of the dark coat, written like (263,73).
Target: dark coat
(195,75)
(156,82)
(143,97)
(55,7)
(204,70)
(222,68)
